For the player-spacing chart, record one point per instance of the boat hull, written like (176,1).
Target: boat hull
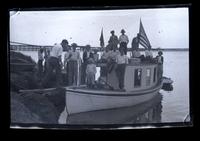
(78,101)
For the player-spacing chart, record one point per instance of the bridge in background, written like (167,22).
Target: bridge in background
(28,47)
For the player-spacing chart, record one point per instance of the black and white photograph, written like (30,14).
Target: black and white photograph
(99,67)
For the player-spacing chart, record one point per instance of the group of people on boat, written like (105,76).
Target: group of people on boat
(85,67)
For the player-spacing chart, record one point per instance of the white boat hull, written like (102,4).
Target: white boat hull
(78,101)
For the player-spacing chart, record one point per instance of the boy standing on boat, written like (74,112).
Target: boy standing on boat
(90,72)
(123,41)
(121,60)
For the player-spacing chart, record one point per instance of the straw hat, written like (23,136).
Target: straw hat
(122,31)
(112,31)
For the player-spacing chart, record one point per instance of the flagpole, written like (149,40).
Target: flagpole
(101,40)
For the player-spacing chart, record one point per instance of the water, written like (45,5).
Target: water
(171,107)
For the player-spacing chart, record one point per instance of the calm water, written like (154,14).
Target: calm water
(166,107)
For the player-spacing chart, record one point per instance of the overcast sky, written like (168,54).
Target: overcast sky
(165,28)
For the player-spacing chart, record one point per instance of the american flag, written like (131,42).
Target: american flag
(101,39)
(143,40)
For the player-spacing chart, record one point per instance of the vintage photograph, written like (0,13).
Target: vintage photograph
(99,67)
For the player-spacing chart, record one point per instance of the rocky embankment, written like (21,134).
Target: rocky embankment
(32,106)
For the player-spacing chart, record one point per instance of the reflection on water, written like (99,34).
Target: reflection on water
(148,112)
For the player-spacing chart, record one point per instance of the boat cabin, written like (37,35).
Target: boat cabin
(138,76)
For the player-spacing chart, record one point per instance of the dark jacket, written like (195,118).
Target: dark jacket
(113,40)
(85,57)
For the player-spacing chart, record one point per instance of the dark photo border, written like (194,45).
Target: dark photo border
(61,6)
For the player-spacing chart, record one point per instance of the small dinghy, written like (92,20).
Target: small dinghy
(167,84)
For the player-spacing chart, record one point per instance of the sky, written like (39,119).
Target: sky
(165,27)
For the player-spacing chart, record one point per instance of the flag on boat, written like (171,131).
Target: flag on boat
(143,40)
(102,39)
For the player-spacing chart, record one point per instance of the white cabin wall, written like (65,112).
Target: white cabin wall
(129,77)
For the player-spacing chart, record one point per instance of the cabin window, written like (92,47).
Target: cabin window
(154,74)
(138,77)
(148,77)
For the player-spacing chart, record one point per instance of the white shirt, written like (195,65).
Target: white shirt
(148,53)
(123,38)
(56,51)
(122,59)
(75,55)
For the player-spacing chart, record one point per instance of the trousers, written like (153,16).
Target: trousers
(72,72)
(53,67)
(120,71)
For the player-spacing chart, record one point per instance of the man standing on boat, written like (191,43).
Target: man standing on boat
(86,55)
(112,59)
(113,41)
(121,60)
(123,41)
(160,61)
(66,46)
(73,65)
(104,60)
(54,64)
(135,43)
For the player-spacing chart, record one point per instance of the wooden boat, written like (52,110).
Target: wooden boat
(141,84)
